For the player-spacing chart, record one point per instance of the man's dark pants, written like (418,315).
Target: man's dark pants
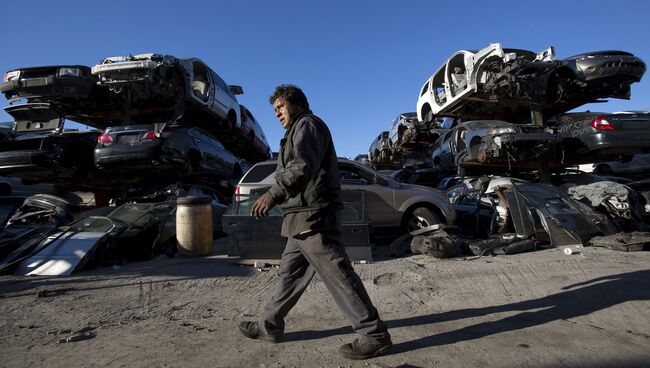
(321,253)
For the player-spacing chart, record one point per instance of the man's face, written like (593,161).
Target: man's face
(283,111)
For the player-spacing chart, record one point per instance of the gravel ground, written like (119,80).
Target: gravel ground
(541,309)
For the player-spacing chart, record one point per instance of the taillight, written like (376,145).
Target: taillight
(105,139)
(600,123)
(237,194)
(149,136)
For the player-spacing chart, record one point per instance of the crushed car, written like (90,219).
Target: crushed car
(132,231)
(495,208)
(483,145)
(39,149)
(379,153)
(73,89)
(163,85)
(501,83)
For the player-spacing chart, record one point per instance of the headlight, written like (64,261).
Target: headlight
(14,74)
(496,131)
(75,72)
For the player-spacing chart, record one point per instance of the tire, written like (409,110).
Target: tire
(428,116)
(420,218)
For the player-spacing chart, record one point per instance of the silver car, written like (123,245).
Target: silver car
(389,204)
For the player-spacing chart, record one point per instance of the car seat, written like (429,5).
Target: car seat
(199,87)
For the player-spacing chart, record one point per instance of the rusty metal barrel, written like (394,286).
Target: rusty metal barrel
(194,226)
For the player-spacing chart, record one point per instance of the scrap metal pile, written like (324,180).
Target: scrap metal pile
(163,127)
(501,115)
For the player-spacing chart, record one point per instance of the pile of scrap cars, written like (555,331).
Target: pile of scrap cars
(493,129)
(162,128)
(483,166)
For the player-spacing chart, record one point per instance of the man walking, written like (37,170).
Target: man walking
(308,189)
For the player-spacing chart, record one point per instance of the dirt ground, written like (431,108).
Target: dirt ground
(541,309)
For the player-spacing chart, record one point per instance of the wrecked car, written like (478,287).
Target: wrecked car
(163,85)
(379,152)
(29,219)
(39,149)
(466,73)
(162,149)
(637,167)
(487,207)
(612,71)
(596,136)
(132,231)
(409,133)
(71,88)
(500,83)
(390,206)
(484,145)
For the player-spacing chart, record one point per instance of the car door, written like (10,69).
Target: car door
(379,198)
(223,100)
(209,153)
(474,216)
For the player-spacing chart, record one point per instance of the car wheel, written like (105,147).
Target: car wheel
(420,218)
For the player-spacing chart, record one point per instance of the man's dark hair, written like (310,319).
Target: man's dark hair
(291,94)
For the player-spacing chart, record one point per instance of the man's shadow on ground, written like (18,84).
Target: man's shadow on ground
(575,300)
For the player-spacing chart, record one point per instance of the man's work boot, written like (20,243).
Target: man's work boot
(365,349)
(252,331)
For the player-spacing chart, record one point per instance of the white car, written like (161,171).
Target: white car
(157,81)
(463,74)
(388,204)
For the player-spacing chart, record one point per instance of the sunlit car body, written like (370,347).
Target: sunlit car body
(611,70)
(500,83)
(172,88)
(39,149)
(596,136)
(465,74)
(482,145)
(389,204)
(160,149)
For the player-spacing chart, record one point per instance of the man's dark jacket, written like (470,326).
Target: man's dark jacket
(307,176)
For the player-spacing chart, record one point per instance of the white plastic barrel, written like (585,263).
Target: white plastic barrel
(194,226)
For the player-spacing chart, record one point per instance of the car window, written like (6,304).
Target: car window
(353,175)
(259,172)
(424,88)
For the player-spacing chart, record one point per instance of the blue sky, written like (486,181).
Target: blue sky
(360,62)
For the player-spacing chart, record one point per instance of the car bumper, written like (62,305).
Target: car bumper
(46,87)
(127,157)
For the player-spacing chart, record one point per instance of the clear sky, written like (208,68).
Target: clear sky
(360,62)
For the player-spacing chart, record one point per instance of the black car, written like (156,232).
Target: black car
(163,149)
(596,136)
(73,89)
(39,149)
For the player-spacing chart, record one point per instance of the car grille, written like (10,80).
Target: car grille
(37,73)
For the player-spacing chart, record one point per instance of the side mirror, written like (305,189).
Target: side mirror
(236,90)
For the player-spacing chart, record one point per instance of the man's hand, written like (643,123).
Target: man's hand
(262,206)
